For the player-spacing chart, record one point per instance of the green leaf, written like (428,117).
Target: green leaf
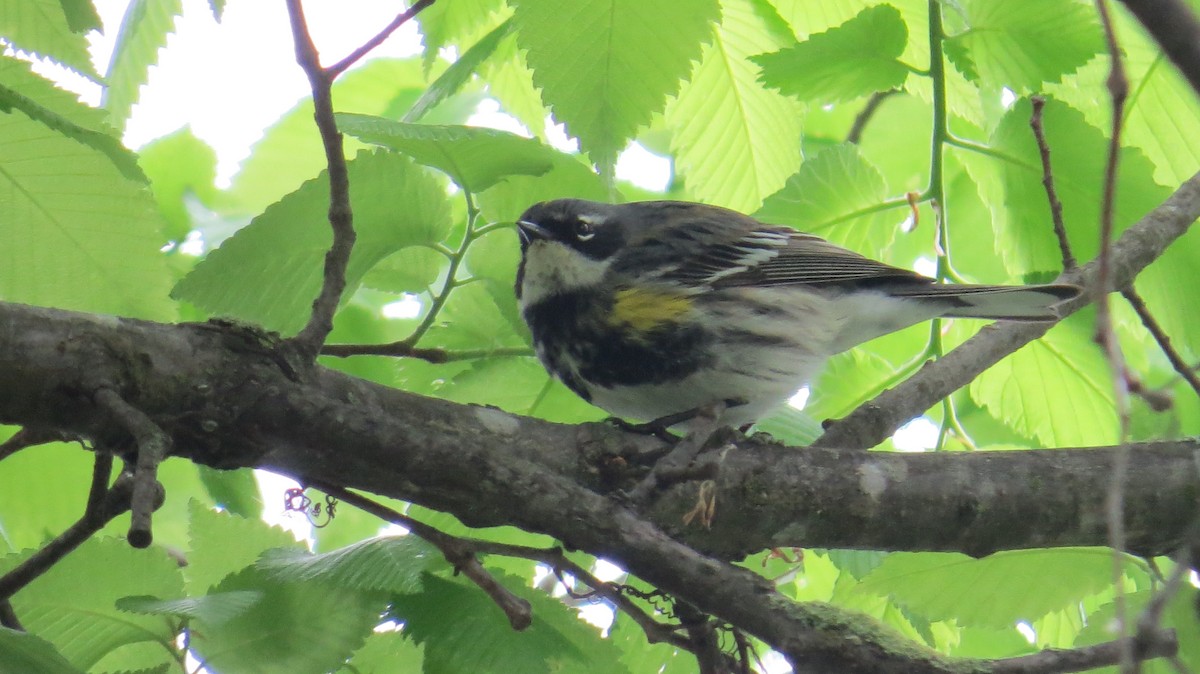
(408,270)
(507,200)
(290,151)
(392,564)
(606,67)
(42,27)
(1017,198)
(21,89)
(280,253)
(475,158)
(35,507)
(836,195)
(791,426)
(143,33)
(449,23)
(510,81)
(223,543)
(72,605)
(1020,44)
(1057,389)
(24,652)
(180,166)
(855,59)
(233,490)
(735,142)
(995,591)
(385,653)
(848,380)
(463,631)
(81,16)
(76,233)
(214,609)
(459,72)
(294,628)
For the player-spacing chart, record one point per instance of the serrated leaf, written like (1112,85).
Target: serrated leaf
(1057,389)
(510,81)
(72,605)
(735,142)
(1020,44)
(463,631)
(280,254)
(21,89)
(835,195)
(74,232)
(35,507)
(449,23)
(995,591)
(222,543)
(385,653)
(1017,198)
(392,564)
(41,27)
(213,609)
(143,33)
(606,67)
(475,158)
(855,59)
(459,72)
(294,628)
(24,652)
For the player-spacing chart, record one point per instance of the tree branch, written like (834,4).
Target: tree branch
(1176,29)
(1136,248)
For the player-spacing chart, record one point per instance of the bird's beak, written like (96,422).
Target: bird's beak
(531,231)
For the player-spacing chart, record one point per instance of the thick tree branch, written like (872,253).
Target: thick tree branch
(230,407)
(1136,248)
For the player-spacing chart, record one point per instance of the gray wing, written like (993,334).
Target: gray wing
(767,256)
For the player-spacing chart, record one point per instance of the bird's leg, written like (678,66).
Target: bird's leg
(676,465)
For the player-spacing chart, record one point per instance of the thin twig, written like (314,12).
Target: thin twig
(28,437)
(403,349)
(553,557)
(341,219)
(401,19)
(1084,658)
(1060,230)
(1160,336)
(456,550)
(153,445)
(103,505)
(868,111)
(309,340)
(1118,88)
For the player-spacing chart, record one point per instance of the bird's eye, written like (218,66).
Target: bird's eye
(584,231)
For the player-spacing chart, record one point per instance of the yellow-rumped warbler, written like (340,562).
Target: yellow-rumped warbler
(656,308)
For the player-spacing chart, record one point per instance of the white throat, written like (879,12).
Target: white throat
(552,268)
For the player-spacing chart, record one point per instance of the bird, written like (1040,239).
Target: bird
(651,310)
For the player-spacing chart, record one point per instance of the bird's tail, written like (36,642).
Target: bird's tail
(1013,303)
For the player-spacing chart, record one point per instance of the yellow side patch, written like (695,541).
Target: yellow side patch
(645,310)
